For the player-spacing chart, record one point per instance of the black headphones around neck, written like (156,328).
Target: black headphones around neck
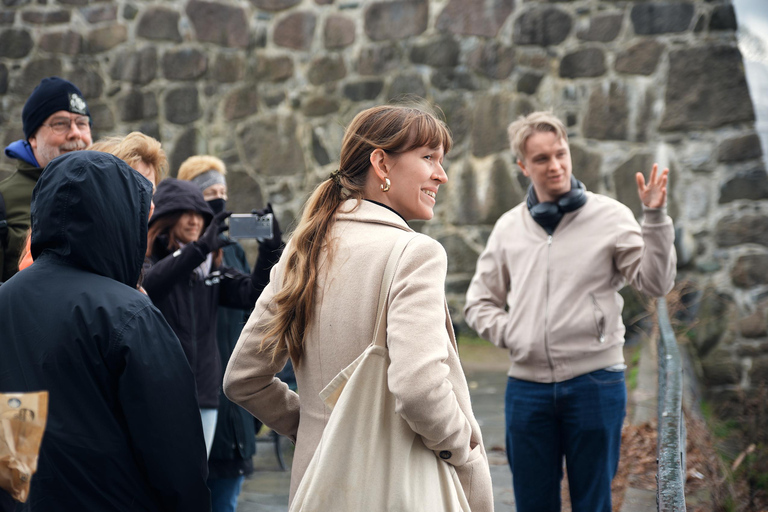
(549,213)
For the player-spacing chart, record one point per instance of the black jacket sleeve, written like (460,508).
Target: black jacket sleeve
(162,275)
(158,397)
(239,290)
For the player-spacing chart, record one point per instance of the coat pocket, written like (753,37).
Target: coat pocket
(475,479)
(599,316)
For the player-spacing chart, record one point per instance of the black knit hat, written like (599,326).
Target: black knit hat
(53,94)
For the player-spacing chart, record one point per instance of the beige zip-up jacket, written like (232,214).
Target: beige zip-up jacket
(553,300)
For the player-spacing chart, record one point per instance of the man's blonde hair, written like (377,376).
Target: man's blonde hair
(535,122)
(196,165)
(134,148)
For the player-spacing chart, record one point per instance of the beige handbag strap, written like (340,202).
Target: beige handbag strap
(380,334)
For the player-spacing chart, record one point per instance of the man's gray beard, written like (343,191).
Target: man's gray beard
(48,153)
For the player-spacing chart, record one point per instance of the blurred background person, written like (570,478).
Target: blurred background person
(234,443)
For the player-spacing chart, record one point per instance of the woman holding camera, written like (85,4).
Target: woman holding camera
(321,305)
(185,278)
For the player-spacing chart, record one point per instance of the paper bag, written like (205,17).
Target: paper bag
(22,423)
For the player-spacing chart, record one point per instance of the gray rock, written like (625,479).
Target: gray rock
(136,105)
(661,18)
(66,42)
(734,230)
(316,106)
(603,27)
(439,53)
(271,69)
(501,195)
(625,182)
(697,203)
(182,105)
(491,114)
(529,82)
(244,192)
(274,5)
(758,374)
(589,62)
(270,146)
(318,150)
(719,371)
(469,212)
(103,119)
(184,147)
(274,99)
(542,26)
(640,58)
(15,43)
(475,17)
(135,66)
(33,72)
(754,325)
(362,90)
(607,113)
(241,102)
(737,149)
(723,18)
(184,64)
(296,31)
(130,11)
(750,270)
(714,313)
(339,31)
(396,20)
(160,24)
(586,166)
(493,59)
(458,115)
(326,69)
(7,17)
(99,13)
(700,24)
(718,96)
(536,58)
(403,85)
(451,79)
(749,184)
(379,60)
(218,23)
(227,67)
(105,38)
(462,258)
(46,17)
(3,79)
(88,79)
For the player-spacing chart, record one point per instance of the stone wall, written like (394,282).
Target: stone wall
(268,85)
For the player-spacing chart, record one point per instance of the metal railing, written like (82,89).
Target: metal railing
(670,479)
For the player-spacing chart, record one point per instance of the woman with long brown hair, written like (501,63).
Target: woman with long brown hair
(321,304)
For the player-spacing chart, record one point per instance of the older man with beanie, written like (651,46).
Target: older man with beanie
(55,121)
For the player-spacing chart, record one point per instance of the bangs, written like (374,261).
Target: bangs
(426,130)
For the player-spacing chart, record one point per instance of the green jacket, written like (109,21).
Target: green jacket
(17,193)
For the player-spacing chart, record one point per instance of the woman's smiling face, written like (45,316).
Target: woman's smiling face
(415,177)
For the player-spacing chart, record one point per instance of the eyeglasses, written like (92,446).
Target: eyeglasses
(62,126)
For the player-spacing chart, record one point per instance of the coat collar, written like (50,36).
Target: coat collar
(370,212)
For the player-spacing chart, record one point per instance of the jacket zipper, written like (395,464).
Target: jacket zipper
(193,319)
(546,314)
(600,328)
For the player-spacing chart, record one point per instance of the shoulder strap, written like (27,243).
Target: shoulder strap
(380,334)
(3,223)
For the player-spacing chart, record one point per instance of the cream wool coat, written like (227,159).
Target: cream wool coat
(425,373)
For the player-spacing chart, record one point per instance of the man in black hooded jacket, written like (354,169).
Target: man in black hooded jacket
(123,431)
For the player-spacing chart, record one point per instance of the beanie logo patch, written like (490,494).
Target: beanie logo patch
(76,104)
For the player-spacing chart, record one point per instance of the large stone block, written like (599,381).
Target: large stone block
(3,79)
(271,69)
(750,270)
(588,62)
(721,371)
(270,145)
(475,17)
(46,17)
(184,64)
(462,257)
(182,105)
(363,90)
(7,17)
(458,115)
(749,184)
(33,72)
(67,42)
(723,18)
(439,53)
(241,102)
(464,191)
(379,60)
(493,59)
(661,18)
(501,194)
(218,23)
(244,192)
(625,182)
(490,116)
(339,31)
(396,20)
(135,66)
(99,13)
(713,317)
(758,374)
(160,24)
(754,325)
(105,38)
(607,113)
(15,43)
(529,82)
(102,117)
(274,5)
(326,69)
(586,166)
(406,84)
(228,67)
(542,26)
(640,58)
(448,79)
(136,105)
(736,149)
(718,96)
(316,106)
(749,228)
(603,27)
(296,31)
(318,150)
(184,147)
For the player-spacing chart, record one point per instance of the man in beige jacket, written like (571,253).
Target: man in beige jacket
(546,288)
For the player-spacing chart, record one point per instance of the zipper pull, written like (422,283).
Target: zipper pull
(602,338)
(549,240)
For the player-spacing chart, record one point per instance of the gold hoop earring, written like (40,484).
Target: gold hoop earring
(385,186)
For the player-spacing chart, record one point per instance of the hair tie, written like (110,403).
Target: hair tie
(335,176)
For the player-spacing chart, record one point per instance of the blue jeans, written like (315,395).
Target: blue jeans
(224,493)
(579,419)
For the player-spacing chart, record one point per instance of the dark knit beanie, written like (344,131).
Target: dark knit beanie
(53,94)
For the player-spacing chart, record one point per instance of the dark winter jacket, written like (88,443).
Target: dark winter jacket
(124,430)
(190,303)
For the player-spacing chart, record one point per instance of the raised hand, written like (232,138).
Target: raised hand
(654,193)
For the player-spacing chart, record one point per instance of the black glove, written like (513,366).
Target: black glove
(210,240)
(274,243)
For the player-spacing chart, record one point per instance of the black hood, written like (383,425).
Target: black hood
(90,209)
(174,196)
